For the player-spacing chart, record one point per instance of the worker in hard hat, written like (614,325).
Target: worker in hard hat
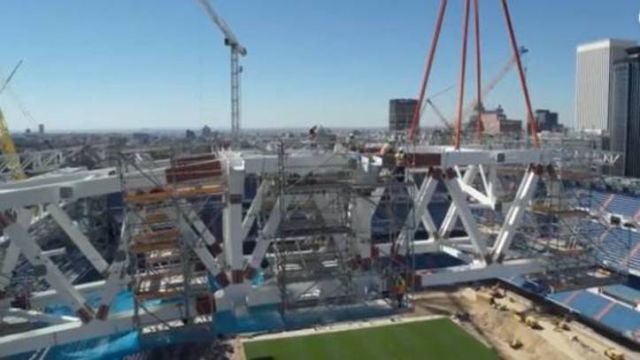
(400,289)
(400,165)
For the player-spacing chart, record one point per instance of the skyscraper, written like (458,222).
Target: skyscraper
(625,119)
(594,71)
(401,114)
(547,120)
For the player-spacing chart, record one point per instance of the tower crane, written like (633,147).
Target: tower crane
(8,146)
(237,50)
(439,114)
(485,91)
(494,82)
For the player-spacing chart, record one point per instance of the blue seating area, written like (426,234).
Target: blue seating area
(617,317)
(583,302)
(624,293)
(619,204)
(624,205)
(591,228)
(617,248)
(623,319)
(597,199)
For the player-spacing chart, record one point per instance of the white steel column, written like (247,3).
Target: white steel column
(196,242)
(256,204)
(232,220)
(418,212)
(116,274)
(116,281)
(514,215)
(462,207)
(9,263)
(361,211)
(77,237)
(452,214)
(198,226)
(266,235)
(43,265)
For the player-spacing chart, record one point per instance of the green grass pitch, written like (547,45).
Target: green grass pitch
(434,339)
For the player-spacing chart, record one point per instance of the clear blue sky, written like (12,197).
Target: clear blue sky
(109,64)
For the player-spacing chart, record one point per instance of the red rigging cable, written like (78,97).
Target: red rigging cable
(415,121)
(476,10)
(463,66)
(533,127)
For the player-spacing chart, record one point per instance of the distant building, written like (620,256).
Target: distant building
(548,121)
(495,122)
(41,129)
(625,120)
(206,131)
(594,72)
(142,138)
(401,113)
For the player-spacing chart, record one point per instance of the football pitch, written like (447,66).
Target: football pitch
(433,339)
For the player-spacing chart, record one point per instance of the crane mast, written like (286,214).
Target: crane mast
(236,50)
(7,145)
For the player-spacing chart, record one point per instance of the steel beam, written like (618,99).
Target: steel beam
(77,237)
(462,207)
(419,211)
(232,217)
(43,265)
(256,204)
(451,217)
(514,216)
(11,256)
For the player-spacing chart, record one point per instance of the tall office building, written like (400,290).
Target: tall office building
(594,71)
(625,119)
(401,114)
(547,120)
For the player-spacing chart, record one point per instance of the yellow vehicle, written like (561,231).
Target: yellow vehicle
(515,344)
(614,354)
(497,292)
(532,322)
(528,320)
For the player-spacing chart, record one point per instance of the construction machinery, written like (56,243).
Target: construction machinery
(614,354)
(515,344)
(561,325)
(237,50)
(8,147)
(529,320)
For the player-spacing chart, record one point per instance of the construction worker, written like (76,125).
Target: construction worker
(400,165)
(400,289)
(386,148)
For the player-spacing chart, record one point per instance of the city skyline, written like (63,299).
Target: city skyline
(126,65)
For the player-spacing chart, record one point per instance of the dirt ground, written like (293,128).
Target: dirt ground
(499,327)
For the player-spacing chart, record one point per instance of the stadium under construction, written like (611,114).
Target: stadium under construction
(114,252)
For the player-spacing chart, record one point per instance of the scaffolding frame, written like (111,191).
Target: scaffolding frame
(161,239)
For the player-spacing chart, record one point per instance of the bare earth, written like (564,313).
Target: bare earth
(495,328)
